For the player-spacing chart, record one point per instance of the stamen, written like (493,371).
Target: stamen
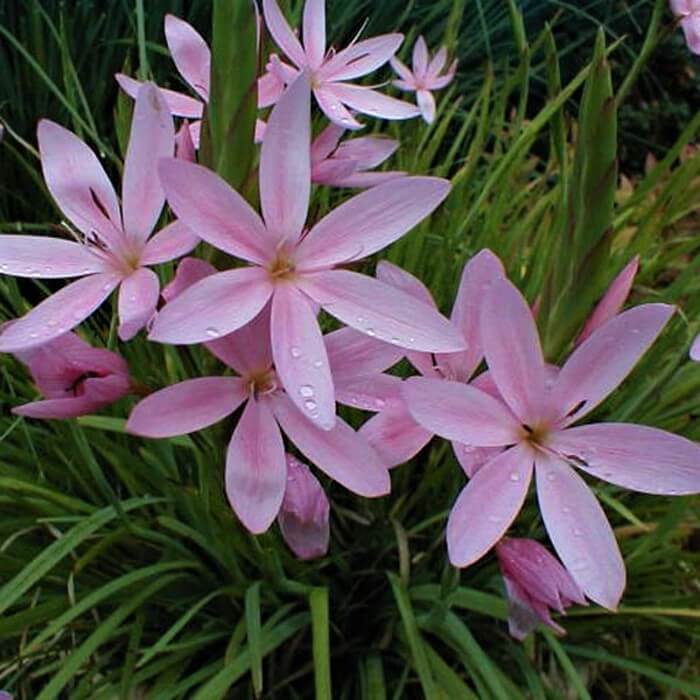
(576,408)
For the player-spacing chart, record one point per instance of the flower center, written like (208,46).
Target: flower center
(262,382)
(536,435)
(281,268)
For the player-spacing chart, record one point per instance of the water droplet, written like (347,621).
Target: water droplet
(371,332)
(577,532)
(33,334)
(566,509)
(411,341)
(106,287)
(551,476)
(380,403)
(360,319)
(47,268)
(53,323)
(395,340)
(4,267)
(307,391)
(295,352)
(310,405)
(133,299)
(29,269)
(334,108)
(212,332)
(467,449)
(515,477)
(579,564)
(354,401)
(318,364)
(495,518)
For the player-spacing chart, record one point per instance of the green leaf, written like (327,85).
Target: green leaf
(252,624)
(320,629)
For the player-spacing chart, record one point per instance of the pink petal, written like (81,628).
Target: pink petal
(333,172)
(190,54)
(691,30)
(171,242)
(77,180)
(285,163)
(187,407)
(394,435)
(189,271)
(437,63)
(381,311)
(45,258)
(247,350)
(426,104)
(579,531)
(58,313)
(195,134)
(477,276)
(635,457)
(213,307)
(613,300)
(326,142)
(601,362)
(680,8)
(368,151)
(361,58)
(315,31)
(184,144)
(138,298)
(512,350)
(334,109)
(370,221)
(365,180)
(152,138)
(369,101)
(488,505)
(341,453)
(392,274)
(460,412)
(179,105)
(401,70)
(282,33)
(215,211)
(352,354)
(300,356)
(373,392)
(256,467)
(471,458)
(303,518)
(445,80)
(695,349)
(420,58)
(270,89)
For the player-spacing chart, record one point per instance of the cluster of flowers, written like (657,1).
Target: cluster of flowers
(260,321)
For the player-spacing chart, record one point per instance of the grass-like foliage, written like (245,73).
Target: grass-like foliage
(124,572)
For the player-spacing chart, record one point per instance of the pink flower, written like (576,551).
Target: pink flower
(536,428)
(613,300)
(695,349)
(394,433)
(114,246)
(256,466)
(293,268)
(192,58)
(535,581)
(347,164)
(303,517)
(689,13)
(328,71)
(74,378)
(425,77)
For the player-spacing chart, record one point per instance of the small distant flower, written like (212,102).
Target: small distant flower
(393,432)
(613,300)
(256,465)
(425,76)
(192,58)
(689,13)
(114,246)
(294,268)
(695,349)
(74,378)
(4,695)
(347,164)
(328,70)
(303,517)
(535,582)
(535,427)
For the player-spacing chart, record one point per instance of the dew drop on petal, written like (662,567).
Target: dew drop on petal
(295,352)
(566,510)
(579,564)
(551,476)
(212,332)
(307,391)
(318,364)
(514,477)
(371,332)
(495,518)
(380,403)
(577,532)
(310,405)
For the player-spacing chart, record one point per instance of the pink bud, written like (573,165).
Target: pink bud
(74,378)
(303,518)
(535,582)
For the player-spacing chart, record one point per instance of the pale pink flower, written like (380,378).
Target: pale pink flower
(613,300)
(114,247)
(689,13)
(293,268)
(426,76)
(347,164)
(192,58)
(303,517)
(695,349)
(393,433)
(74,378)
(536,428)
(535,581)
(328,70)
(256,466)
